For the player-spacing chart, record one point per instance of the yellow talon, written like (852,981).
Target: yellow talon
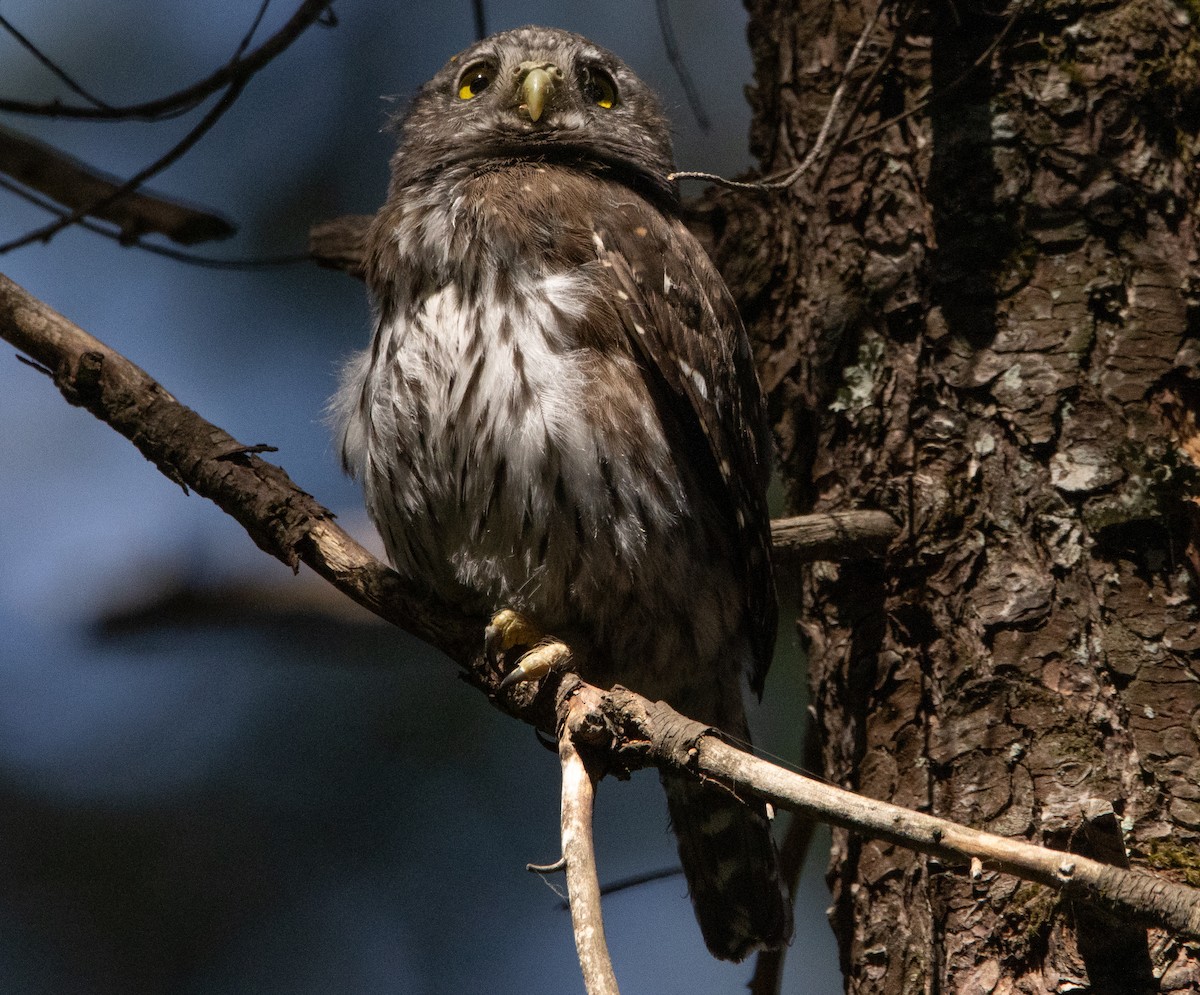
(510,629)
(538,662)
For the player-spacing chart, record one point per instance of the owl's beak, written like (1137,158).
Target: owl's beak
(536,88)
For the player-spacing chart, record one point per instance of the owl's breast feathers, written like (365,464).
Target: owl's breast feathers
(558,400)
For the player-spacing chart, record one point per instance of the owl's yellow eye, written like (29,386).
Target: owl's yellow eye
(474,81)
(599,88)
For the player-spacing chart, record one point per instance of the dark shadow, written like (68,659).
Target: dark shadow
(1115,951)
(976,236)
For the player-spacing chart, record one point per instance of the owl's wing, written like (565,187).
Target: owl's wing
(682,321)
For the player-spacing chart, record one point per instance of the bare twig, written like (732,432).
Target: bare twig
(237,70)
(82,188)
(818,145)
(477,7)
(843,138)
(579,853)
(50,64)
(949,88)
(860,99)
(251,31)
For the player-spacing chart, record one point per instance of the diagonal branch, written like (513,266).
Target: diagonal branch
(639,733)
(631,731)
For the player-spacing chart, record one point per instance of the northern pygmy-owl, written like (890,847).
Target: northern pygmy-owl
(558,413)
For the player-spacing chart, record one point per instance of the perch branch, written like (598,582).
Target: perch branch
(639,733)
(579,853)
(291,525)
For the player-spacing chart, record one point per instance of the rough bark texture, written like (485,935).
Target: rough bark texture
(986,320)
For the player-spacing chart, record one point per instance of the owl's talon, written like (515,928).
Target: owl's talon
(507,630)
(538,662)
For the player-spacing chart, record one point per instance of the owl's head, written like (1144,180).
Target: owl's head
(538,93)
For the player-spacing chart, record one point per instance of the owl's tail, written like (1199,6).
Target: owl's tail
(730,864)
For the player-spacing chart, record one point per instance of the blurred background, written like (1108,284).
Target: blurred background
(215,776)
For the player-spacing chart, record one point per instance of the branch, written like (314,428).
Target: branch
(82,188)
(238,70)
(639,733)
(289,524)
(579,854)
(837,535)
(341,243)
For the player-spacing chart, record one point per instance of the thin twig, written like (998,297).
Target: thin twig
(248,37)
(945,91)
(239,69)
(776,182)
(51,65)
(675,57)
(819,144)
(216,262)
(477,6)
(860,99)
(579,852)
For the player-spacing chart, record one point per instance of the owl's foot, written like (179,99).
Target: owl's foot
(510,630)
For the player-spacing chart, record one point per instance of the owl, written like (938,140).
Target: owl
(558,422)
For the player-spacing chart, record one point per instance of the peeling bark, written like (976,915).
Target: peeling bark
(987,318)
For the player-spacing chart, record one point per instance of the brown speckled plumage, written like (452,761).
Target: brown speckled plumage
(558,414)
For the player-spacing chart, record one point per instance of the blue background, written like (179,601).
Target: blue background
(284,795)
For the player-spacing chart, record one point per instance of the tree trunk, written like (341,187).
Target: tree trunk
(985,319)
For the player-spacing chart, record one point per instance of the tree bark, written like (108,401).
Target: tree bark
(985,318)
